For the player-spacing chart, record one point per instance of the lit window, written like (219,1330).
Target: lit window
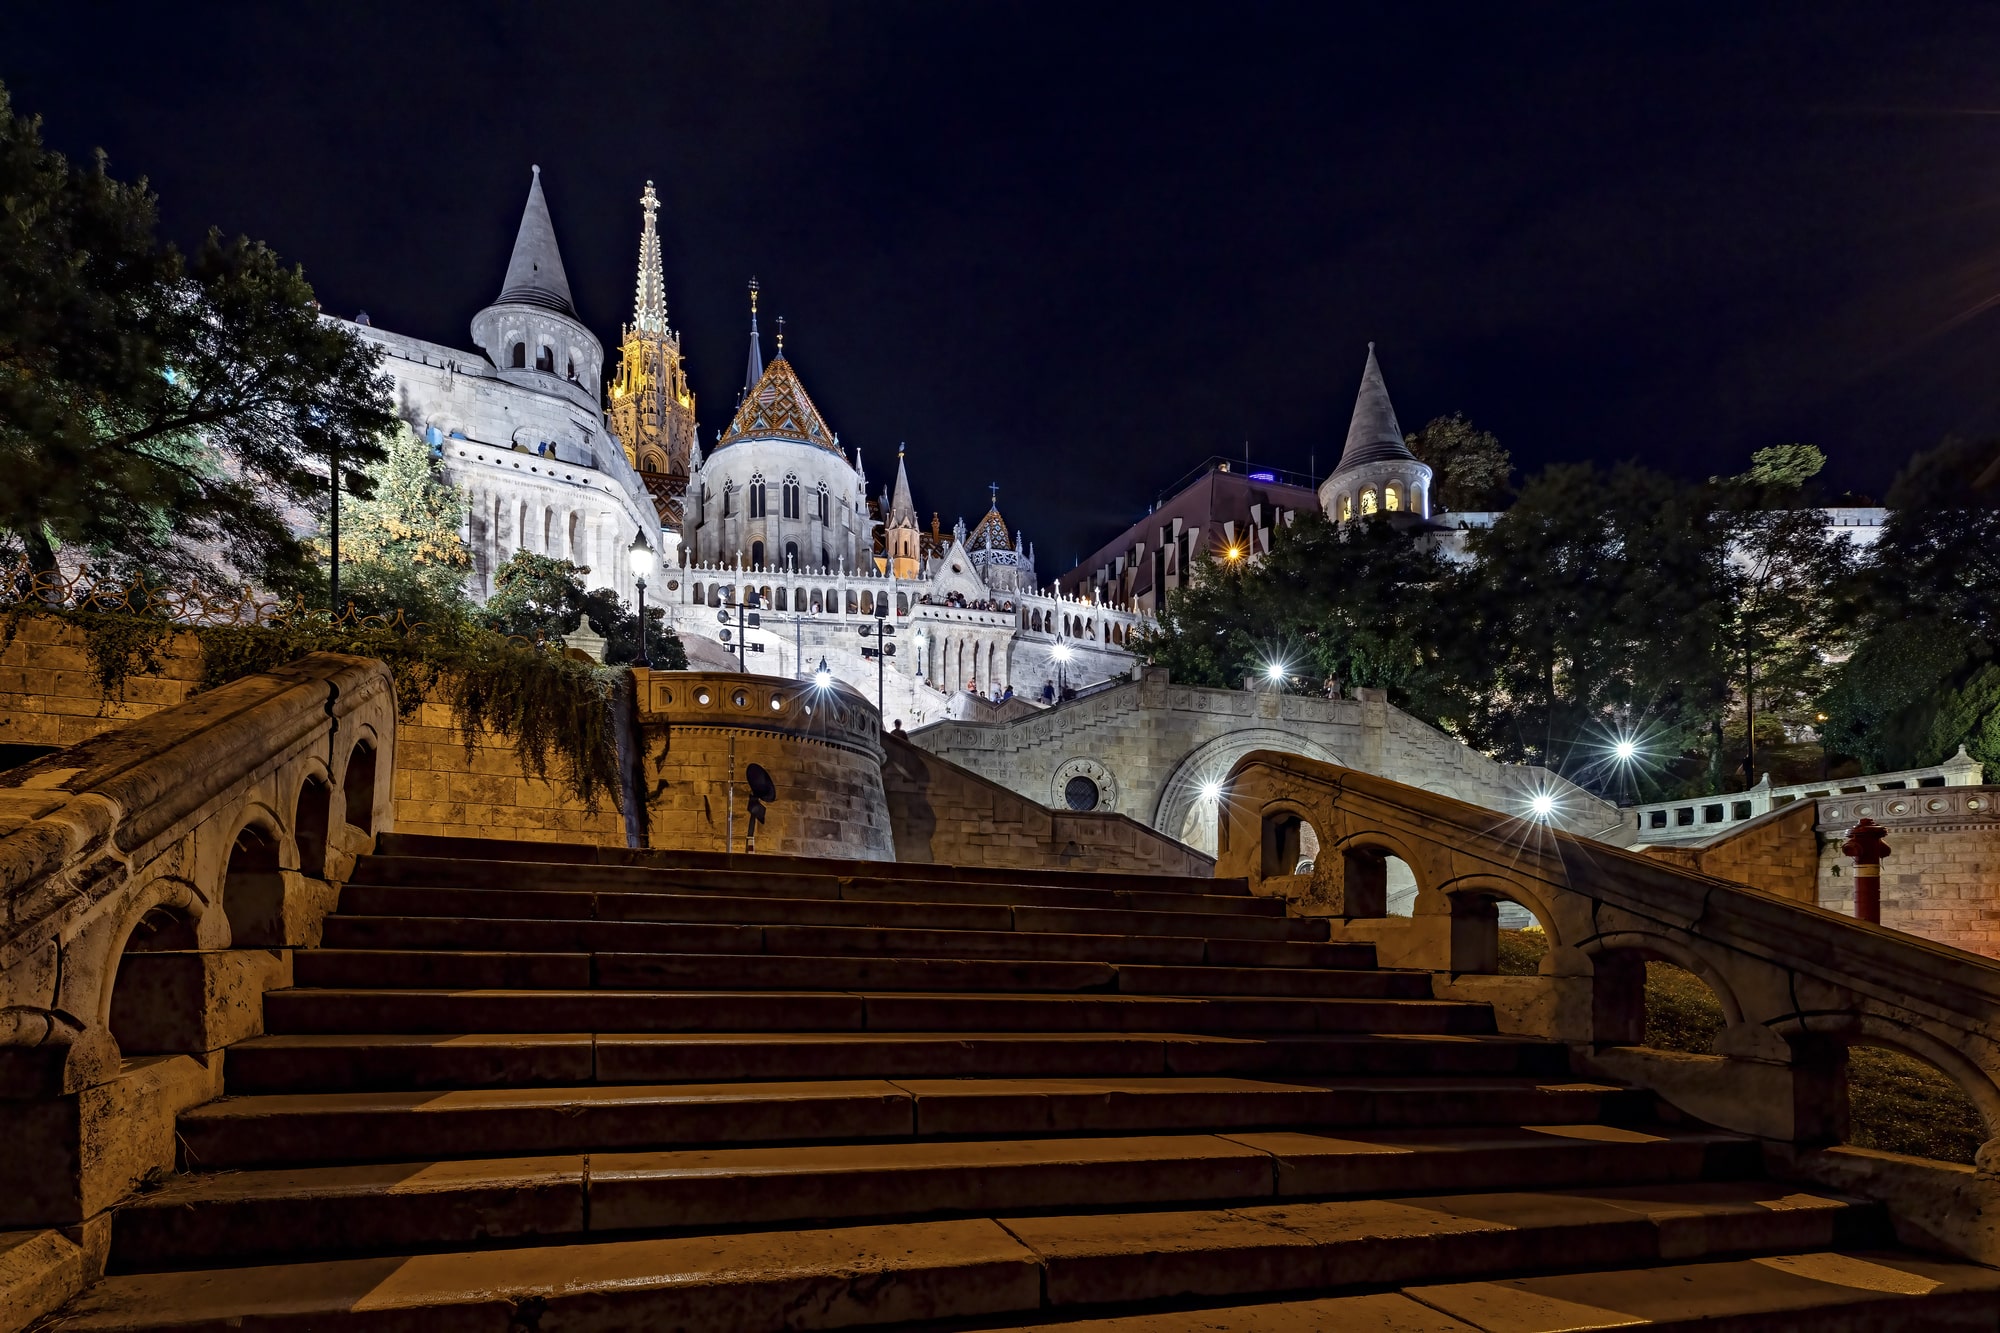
(1368,501)
(1346,508)
(1392,499)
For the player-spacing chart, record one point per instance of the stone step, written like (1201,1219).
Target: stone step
(1847,1290)
(1093,1259)
(415,872)
(555,853)
(361,1011)
(414,969)
(529,904)
(347,930)
(344,1062)
(241,1131)
(1030,1272)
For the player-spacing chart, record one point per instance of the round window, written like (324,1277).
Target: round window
(741,698)
(673,585)
(701,696)
(777,704)
(1080,793)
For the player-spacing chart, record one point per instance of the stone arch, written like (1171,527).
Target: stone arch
(1212,762)
(1473,902)
(164,917)
(357,786)
(1975,1082)
(252,885)
(312,818)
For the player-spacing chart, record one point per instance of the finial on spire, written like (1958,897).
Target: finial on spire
(754,369)
(649,307)
(536,168)
(781,337)
(993,490)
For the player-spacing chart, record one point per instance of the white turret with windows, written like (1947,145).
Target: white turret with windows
(1377,473)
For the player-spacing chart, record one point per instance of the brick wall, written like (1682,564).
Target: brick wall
(50,695)
(442,788)
(1941,882)
(941,812)
(1777,852)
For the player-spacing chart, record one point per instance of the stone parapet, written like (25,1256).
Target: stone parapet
(822,747)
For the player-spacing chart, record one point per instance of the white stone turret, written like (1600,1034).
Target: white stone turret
(1377,473)
(531,332)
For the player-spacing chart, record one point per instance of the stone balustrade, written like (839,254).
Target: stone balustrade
(153,880)
(1797,984)
(1701,818)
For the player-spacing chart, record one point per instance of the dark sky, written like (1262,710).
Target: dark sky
(1076,248)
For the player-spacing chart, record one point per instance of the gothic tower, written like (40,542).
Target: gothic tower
(905,536)
(652,408)
(531,331)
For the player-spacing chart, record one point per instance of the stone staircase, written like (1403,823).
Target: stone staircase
(521,1087)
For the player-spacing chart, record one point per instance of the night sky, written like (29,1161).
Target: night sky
(1077,248)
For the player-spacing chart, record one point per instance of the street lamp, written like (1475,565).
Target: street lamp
(1061,652)
(639,556)
(823,677)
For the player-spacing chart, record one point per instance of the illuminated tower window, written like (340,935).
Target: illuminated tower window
(1392,499)
(1368,500)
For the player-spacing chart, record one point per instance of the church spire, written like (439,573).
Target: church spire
(901,509)
(649,308)
(1373,436)
(755,369)
(535,272)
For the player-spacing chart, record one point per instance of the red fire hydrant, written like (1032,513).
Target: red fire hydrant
(1865,843)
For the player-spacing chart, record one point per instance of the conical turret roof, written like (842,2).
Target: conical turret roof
(1372,433)
(991,534)
(777,408)
(535,273)
(902,512)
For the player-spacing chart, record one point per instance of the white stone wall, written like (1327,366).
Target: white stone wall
(523,446)
(1150,745)
(721,527)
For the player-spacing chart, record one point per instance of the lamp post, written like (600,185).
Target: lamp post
(1061,652)
(639,556)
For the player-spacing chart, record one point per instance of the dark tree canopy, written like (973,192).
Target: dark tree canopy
(159,412)
(1471,468)
(542,598)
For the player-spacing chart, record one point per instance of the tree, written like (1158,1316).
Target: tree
(1921,680)
(1470,466)
(400,547)
(1782,587)
(542,598)
(1589,610)
(1343,601)
(158,413)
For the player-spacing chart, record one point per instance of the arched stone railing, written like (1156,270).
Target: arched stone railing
(1211,762)
(1798,985)
(221,822)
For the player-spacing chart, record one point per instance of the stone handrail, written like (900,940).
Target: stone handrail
(1700,818)
(1797,984)
(240,803)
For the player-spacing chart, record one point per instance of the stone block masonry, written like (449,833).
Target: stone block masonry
(50,694)
(445,788)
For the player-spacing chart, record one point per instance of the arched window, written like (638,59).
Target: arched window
(757,495)
(818,604)
(782,599)
(825,560)
(728,498)
(576,537)
(791,555)
(756,552)
(1368,500)
(799,599)
(1392,498)
(520,357)
(789,503)
(521,531)
(699,597)
(902,604)
(1346,508)
(652,461)
(546,358)
(822,503)
(572,370)
(1417,502)
(549,546)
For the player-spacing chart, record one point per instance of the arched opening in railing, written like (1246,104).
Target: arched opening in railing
(358,785)
(253,887)
(1376,881)
(309,825)
(1493,931)
(134,1013)
(1642,994)
(1898,1101)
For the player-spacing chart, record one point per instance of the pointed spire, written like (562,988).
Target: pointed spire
(755,369)
(901,511)
(1372,434)
(535,273)
(649,308)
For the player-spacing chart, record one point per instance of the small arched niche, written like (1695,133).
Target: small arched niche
(358,786)
(1901,1103)
(310,823)
(138,1022)
(253,888)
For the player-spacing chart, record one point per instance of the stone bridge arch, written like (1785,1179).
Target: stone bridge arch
(1211,762)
